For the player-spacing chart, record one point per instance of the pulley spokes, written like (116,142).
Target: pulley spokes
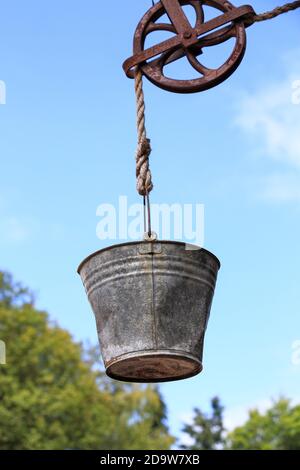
(190,42)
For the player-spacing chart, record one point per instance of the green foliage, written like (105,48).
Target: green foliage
(277,429)
(13,293)
(206,432)
(52,395)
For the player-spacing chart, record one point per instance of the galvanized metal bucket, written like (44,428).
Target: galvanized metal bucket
(152,303)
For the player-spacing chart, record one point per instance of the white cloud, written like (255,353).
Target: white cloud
(270,117)
(238,415)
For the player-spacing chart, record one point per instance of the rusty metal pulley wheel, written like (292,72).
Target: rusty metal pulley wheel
(190,41)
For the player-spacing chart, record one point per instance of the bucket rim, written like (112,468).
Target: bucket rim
(158,354)
(142,242)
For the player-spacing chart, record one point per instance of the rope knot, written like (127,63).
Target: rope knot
(143,173)
(144,148)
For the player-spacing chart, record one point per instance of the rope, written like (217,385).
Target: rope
(143,173)
(269,15)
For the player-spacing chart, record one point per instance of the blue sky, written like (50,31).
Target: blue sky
(67,145)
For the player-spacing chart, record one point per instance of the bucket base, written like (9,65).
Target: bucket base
(150,367)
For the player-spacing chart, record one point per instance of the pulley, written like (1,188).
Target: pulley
(190,41)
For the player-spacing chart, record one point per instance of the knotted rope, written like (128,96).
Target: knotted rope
(269,15)
(143,173)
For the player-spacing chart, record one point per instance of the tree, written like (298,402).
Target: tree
(277,429)
(52,395)
(206,432)
(13,293)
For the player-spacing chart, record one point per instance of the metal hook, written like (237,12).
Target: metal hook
(148,234)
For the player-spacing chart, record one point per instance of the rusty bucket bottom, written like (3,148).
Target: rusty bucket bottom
(159,366)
